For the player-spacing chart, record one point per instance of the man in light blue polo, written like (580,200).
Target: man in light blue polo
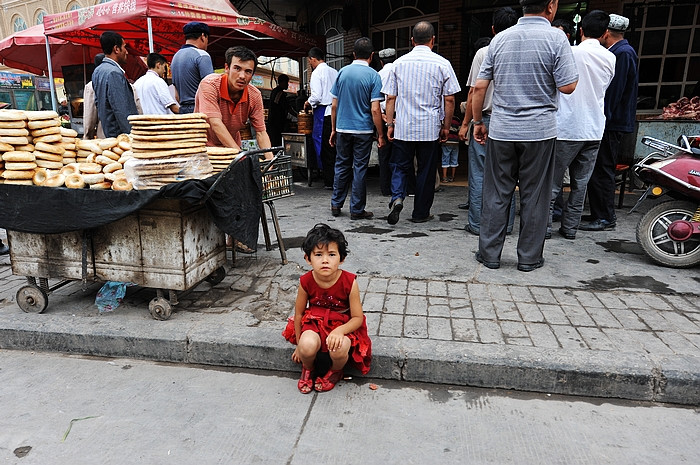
(191,64)
(355,114)
(527,63)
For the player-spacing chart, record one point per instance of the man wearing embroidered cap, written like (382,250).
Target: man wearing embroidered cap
(191,64)
(620,115)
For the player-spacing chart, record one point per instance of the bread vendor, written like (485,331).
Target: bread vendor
(229,101)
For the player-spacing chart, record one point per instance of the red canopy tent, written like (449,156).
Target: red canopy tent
(156,26)
(26,50)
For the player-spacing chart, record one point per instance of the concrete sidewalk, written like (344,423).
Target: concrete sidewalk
(599,319)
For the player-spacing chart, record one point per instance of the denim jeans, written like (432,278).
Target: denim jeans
(579,157)
(427,154)
(477,155)
(351,161)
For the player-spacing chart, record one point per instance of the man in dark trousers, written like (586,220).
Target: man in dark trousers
(620,115)
(114,95)
(279,111)
(528,63)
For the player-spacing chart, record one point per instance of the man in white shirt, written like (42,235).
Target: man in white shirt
(581,121)
(153,90)
(322,79)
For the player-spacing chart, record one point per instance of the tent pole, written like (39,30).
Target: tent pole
(52,84)
(150,35)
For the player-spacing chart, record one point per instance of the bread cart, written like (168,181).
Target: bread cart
(170,244)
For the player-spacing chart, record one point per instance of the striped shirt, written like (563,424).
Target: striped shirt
(527,64)
(420,80)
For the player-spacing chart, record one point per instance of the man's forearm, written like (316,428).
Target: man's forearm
(222,133)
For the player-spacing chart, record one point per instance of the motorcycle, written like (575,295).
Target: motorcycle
(669,233)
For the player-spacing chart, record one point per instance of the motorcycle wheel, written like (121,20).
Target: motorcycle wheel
(652,235)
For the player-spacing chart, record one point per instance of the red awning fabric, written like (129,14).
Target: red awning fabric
(26,50)
(130,19)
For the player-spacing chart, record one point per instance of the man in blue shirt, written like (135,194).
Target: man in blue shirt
(114,95)
(620,116)
(355,113)
(191,64)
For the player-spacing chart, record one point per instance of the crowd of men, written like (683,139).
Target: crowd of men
(536,109)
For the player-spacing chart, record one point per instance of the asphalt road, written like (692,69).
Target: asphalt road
(60,409)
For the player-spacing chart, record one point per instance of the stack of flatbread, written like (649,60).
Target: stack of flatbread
(221,157)
(18,158)
(167,149)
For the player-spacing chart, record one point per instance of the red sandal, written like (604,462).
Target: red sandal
(328,382)
(305,383)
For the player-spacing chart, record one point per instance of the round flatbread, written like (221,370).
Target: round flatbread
(13,132)
(166,117)
(14,140)
(167,137)
(90,168)
(54,165)
(16,156)
(169,127)
(21,182)
(44,114)
(13,124)
(6,147)
(46,131)
(20,166)
(12,115)
(24,148)
(48,156)
(51,138)
(180,143)
(68,132)
(148,154)
(41,124)
(50,148)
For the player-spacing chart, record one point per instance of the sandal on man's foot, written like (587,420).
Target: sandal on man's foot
(305,383)
(328,382)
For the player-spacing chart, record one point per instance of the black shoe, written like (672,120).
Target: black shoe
(597,225)
(396,208)
(548,235)
(556,218)
(534,266)
(587,218)
(421,220)
(471,230)
(365,215)
(567,235)
(335,211)
(491,265)
(463,206)
(4,250)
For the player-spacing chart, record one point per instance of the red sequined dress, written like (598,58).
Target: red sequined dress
(326,310)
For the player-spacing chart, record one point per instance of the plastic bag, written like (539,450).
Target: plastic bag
(111,295)
(154,173)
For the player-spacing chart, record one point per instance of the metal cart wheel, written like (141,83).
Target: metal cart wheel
(32,299)
(217,276)
(160,308)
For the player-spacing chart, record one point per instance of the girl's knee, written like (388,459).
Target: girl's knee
(309,343)
(343,351)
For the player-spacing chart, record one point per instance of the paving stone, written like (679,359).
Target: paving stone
(596,339)
(512,329)
(489,332)
(565,297)
(651,343)
(461,312)
(457,290)
(464,330)
(416,305)
(438,301)
(568,337)
(394,303)
(378,285)
(459,303)
(530,312)
(634,300)
(439,328)
(483,309)
(603,318)
(373,322)
(610,300)
(499,292)
(680,303)
(478,292)
(542,335)
(362,282)
(577,315)
(681,322)
(553,314)
(518,341)
(655,320)
(543,295)
(415,327)
(520,294)
(693,338)
(397,286)
(656,302)
(628,319)
(678,343)
(437,288)
(439,311)
(391,325)
(506,310)
(624,340)
(373,302)
(417,287)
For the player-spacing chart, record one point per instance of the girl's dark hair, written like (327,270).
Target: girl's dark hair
(321,235)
